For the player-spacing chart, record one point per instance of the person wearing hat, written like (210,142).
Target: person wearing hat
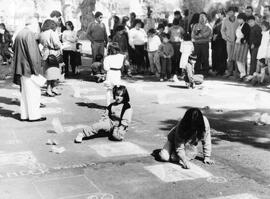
(113,64)
(96,32)
(241,44)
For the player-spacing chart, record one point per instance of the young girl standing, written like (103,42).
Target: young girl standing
(184,137)
(113,64)
(116,119)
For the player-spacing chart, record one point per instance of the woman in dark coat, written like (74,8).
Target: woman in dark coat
(219,53)
(5,43)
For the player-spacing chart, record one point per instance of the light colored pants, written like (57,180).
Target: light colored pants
(242,69)
(154,61)
(230,50)
(30,99)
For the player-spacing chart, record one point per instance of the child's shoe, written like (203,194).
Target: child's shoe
(79,138)
(175,78)
(161,79)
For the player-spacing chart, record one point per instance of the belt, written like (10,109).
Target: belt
(115,69)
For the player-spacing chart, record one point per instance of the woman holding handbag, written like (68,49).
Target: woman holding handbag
(51,55)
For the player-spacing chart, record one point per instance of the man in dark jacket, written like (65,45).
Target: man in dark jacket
(255,37)
(27,62)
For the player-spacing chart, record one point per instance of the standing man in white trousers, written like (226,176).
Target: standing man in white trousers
(27,62)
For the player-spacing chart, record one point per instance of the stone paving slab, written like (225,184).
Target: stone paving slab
(169,172)
(238,196)
(65,187)
(118,149)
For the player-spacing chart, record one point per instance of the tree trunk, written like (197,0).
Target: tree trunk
(87,7)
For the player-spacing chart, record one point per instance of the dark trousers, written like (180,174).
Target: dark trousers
(69,56)
(202,63)
(176,58)
(253,60)
(219,57)
(139,57)
(166,67)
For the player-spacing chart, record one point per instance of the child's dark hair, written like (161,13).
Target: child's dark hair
(151,31)
(78,45)
(192,125)
(165,35)
(98,58)
(121,90)
(187,37)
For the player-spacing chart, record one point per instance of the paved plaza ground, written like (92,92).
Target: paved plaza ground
(99,168)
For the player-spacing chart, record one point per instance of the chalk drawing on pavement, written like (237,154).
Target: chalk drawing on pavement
(118,149)
(169,172)
(238,196)
(24,158)
(216,179)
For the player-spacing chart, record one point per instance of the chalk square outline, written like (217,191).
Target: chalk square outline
(26,159)
(238,196)
(118,149)
(169,172)
(89,182)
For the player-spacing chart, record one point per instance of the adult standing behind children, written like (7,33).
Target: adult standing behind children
(241,45)
(137,40)
(176,33)
(254,42)
(27,63)
(228,29)
(51,46)
(96,32)
(201,35)
(69,39)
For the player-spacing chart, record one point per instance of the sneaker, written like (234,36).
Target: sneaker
(175,79)
(248,78)
(162,80)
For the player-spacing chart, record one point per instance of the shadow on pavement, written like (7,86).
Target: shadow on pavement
(235,126)
(91,105)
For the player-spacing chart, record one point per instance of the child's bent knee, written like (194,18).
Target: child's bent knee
(164,155)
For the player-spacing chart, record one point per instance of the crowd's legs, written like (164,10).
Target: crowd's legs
(202,63)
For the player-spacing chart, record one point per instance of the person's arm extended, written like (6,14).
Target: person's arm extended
(180,148)
(206,143)
(126,119)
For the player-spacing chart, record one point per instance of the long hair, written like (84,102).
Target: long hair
(121,90)
(192,125)
(49,25)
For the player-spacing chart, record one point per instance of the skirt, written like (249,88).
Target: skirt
(240,52)
(51,72)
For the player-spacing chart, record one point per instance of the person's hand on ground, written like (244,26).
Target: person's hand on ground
(207,160)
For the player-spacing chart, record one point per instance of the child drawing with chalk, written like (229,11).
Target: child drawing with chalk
(181,145)
(116,119)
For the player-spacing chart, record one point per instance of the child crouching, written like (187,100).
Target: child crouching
(184,137)
(116,119)
(189,77)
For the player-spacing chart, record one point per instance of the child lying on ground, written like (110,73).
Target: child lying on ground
(116,119)
(184,137)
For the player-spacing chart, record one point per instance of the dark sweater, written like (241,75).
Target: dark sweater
(255,36)
(246,31)
(97,32)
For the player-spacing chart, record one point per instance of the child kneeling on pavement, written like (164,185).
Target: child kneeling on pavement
(116,119)
(181,145)
(190,78)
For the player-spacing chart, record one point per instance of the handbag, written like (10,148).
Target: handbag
(52,59)
(39,80)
